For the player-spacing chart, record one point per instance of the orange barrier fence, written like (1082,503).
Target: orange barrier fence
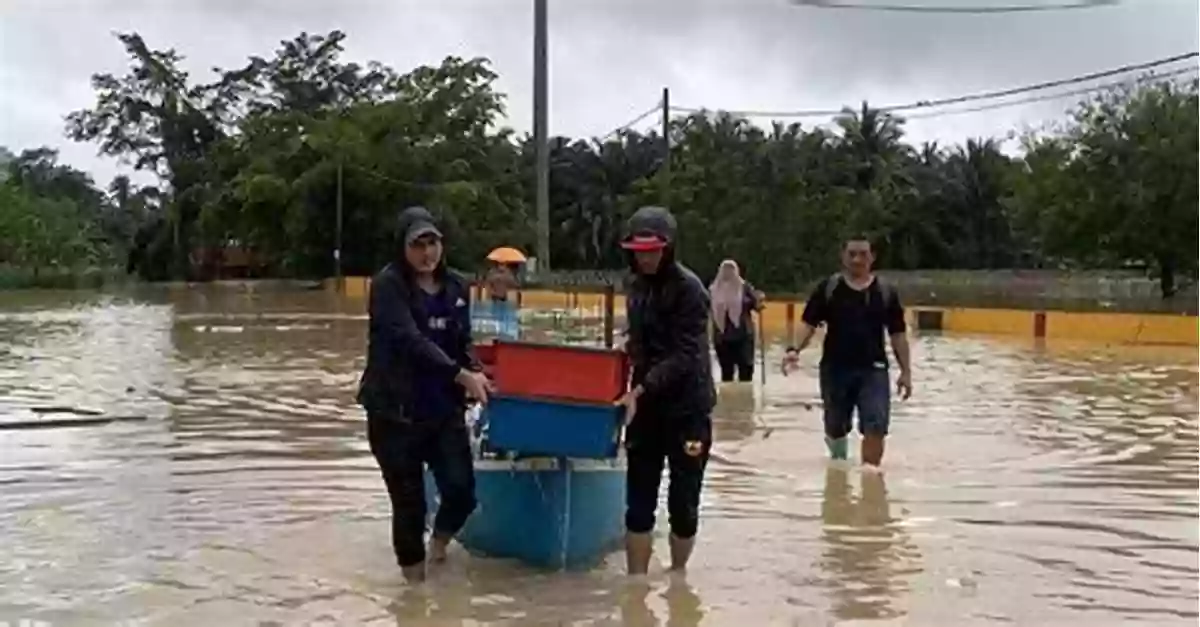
(784,316)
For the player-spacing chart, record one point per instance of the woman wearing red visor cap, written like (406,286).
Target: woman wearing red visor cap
(668,411)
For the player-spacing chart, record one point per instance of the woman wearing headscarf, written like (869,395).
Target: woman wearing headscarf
(733,301)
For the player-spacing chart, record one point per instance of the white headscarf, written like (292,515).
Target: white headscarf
(728,292)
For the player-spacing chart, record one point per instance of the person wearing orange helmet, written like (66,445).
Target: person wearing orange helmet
(495,314)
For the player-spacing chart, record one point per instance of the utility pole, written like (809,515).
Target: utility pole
(541,135)
(337,251)
(666,142)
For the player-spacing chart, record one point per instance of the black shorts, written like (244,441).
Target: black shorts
(651,442)
(869,390)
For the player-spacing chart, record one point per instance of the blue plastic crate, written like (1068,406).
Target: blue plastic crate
(552,428)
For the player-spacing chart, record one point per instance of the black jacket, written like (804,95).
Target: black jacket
(397,345)
(668,343)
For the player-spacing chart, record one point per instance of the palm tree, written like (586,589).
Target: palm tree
(975,192)
(873,141)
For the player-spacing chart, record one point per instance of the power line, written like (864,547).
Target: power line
(958,10)
(626,126)
(989,95)
(1049,97)
(1023,101)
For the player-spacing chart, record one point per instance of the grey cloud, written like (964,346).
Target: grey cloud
(609,60)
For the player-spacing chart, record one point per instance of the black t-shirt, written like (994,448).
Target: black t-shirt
(856,322)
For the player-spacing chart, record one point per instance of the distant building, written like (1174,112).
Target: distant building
(230,261)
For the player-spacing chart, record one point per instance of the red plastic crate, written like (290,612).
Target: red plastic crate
(487,357)
(486,353)
(554,371)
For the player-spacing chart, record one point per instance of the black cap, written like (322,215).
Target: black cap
(416,222)
(650,226)
(419,229)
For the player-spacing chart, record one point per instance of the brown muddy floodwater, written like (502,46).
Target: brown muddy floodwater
(1024,485)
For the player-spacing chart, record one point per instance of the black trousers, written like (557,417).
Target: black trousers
(736,356)
(402,447)
(649,443)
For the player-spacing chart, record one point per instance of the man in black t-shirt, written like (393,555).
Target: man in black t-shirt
(858,309)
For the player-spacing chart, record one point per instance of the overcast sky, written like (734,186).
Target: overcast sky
(609,59)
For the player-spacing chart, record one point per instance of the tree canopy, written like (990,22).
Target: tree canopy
(260,154)
(52,215)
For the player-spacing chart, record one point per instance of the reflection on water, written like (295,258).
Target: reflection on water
(682,604)
(1024,484)
(866,551)
(733,418)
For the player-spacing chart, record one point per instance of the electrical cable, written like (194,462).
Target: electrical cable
(957,10)
(1048,97)
(989,95)
(626,126)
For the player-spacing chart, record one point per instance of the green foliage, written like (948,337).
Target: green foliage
(52,218)
(21,277)
(41,232)
(56,226)
(1118,186)
(262,154)
(781,200)
(255,156)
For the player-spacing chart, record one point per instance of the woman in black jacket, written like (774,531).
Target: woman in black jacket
(669,408)
(420,369)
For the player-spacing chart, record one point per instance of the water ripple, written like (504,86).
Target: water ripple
(1060,477)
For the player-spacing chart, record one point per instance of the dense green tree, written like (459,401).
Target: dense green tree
(153,119)
(1118,185)
(43,232)
(51,214)
(254,156)
(262,153)
(39,173)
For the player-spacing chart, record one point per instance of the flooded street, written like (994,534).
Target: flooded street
(1023,485)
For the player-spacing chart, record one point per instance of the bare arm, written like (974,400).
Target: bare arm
(898,334)
(897,330)
(806,336)
(900,348)
(813,316)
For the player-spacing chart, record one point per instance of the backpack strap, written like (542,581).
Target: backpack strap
(831,284)
(886,290)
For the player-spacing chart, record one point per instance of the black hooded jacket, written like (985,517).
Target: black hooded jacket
(668,332)
(396,342)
